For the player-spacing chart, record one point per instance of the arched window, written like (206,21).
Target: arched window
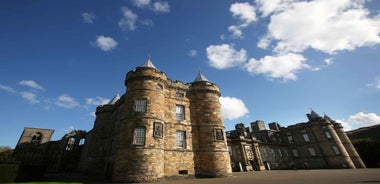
(36,139)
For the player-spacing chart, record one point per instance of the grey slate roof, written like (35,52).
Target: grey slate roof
(314,115)
(328,118)
(148,64)
(201,77)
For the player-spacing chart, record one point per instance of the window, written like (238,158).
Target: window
(295,153)
(248,150)
(159,87)
(312,152)
(328,135)
(179,112)
(140,105)
(336,150)
(36,139)
(290,139)
(139,136)
(279,153)
(81,141)
(181,139)
(219,134)
(306,137)
(158,130)
(179,95)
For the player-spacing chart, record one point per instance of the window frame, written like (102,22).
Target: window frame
(139,136)
(312,151)
(328,135)
(295,153)
(306,137)
(336,150)
(180,139)
(179,115)
(140,107)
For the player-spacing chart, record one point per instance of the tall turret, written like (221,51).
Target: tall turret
(139,156)
(348,145)
(211,153)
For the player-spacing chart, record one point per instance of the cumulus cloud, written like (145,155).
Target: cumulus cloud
(141,3)
(158,7)
(128,22)
(192,52)
(88,17)
(246,14)
(346,125)
(365,119)
(283,66)
(66,101)
(31,84)
(106,43)
(375,84)
(161,7)
(225,56)
(323,25)
(97,101)
(233,108)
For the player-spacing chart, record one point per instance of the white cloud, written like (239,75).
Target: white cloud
(346,125)
(324,25)
(364,119)
(146,22)
(282,66)
(161,7)
(8,89)
(27,95)
(106,43)
(233,108)
(375,84)
(192,52)
(328,61)
(97,101)
(31,97)
(225,56)
(31,84)
(141,3)
(66,101)
(128,22)
(245,12)
(88,17)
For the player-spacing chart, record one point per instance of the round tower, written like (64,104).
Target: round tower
(348,145)
(211,153)
(333,151)
(141,147)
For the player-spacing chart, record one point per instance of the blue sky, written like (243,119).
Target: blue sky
(273,60)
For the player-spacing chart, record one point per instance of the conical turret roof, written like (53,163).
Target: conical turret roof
(314,114)
(115,99)
(328,118)
(201,77)
(148,64)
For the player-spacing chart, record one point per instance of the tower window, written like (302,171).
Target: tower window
(336,150)
(139,136)
(140,105)
(328,135)
(312,152)
(306,137)
(290,139)
(295,153)
(219,134)
(181,139)
(180,112)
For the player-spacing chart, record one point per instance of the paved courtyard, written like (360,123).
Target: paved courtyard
(343,176)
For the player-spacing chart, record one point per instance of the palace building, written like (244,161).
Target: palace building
(160,129)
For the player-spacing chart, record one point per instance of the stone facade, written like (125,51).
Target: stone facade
(158,129)
(319,143)
(36,151)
